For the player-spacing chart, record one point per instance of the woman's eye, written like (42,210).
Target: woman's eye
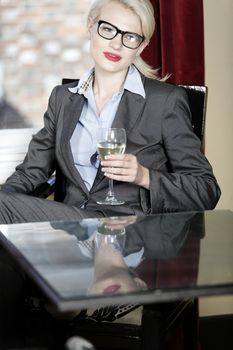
(108,29)
(131,37)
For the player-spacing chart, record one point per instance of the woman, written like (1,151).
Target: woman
(163,168)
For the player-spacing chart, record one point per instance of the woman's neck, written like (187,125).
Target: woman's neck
(105,86)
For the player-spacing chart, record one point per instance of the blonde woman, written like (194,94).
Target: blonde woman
(162,169)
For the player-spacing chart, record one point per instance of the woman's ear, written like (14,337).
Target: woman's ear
(140,283)
(142,47)
(90,24)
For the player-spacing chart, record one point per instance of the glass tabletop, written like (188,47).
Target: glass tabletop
(129,259)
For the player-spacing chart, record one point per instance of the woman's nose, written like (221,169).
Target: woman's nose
(116,42)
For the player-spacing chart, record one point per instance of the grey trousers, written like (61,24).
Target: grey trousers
(19,208)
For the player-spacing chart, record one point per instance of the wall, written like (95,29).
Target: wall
(40,43)
(219,75)
(219,124)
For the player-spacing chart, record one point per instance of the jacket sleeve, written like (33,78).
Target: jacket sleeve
(187,182)
(38,164)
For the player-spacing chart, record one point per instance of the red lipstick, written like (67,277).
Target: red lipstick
(112,56)
(111,289)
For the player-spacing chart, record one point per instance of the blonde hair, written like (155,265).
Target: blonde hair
(145,12)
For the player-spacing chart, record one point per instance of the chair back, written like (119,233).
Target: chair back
(197,96)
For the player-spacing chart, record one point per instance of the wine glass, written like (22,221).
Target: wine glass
(111,141)
(111,231)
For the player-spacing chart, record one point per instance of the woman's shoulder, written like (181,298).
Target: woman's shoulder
(68,85)
(66,88)
(159,85)
(162,89)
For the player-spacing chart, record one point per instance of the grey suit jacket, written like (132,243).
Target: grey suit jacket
(159,134)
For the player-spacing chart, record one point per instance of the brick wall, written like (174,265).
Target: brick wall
(40,42)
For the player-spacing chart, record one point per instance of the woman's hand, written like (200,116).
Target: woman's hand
(125,167)
(118,222)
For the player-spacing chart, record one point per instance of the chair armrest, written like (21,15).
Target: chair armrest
(46,189)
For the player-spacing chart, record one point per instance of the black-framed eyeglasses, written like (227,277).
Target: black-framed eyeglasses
(109,31)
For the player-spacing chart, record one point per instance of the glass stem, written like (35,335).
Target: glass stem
(110,189)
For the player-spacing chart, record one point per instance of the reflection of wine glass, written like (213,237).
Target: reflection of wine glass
(111,141)
(112,230)
(111,234)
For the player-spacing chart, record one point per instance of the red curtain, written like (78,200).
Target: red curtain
(177,47)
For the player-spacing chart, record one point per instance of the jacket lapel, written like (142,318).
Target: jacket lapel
(129,111)
(72,112)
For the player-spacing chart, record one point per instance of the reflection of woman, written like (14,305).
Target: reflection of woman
(163,169)
(113,272)
(112,275)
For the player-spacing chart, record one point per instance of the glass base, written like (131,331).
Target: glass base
(110,201)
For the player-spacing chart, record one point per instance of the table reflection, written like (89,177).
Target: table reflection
(117,255)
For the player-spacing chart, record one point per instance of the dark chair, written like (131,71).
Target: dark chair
(197,96)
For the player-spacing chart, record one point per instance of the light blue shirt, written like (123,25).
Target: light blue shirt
(83,141)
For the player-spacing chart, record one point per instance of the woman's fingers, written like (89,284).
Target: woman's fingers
(126,161)
(125,167)
(122,167)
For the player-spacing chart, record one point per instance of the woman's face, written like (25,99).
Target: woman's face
(112,55)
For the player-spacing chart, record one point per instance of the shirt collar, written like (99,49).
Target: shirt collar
(132,83)
(85,82)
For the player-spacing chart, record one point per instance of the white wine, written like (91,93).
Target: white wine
(110,141)
(107,148)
